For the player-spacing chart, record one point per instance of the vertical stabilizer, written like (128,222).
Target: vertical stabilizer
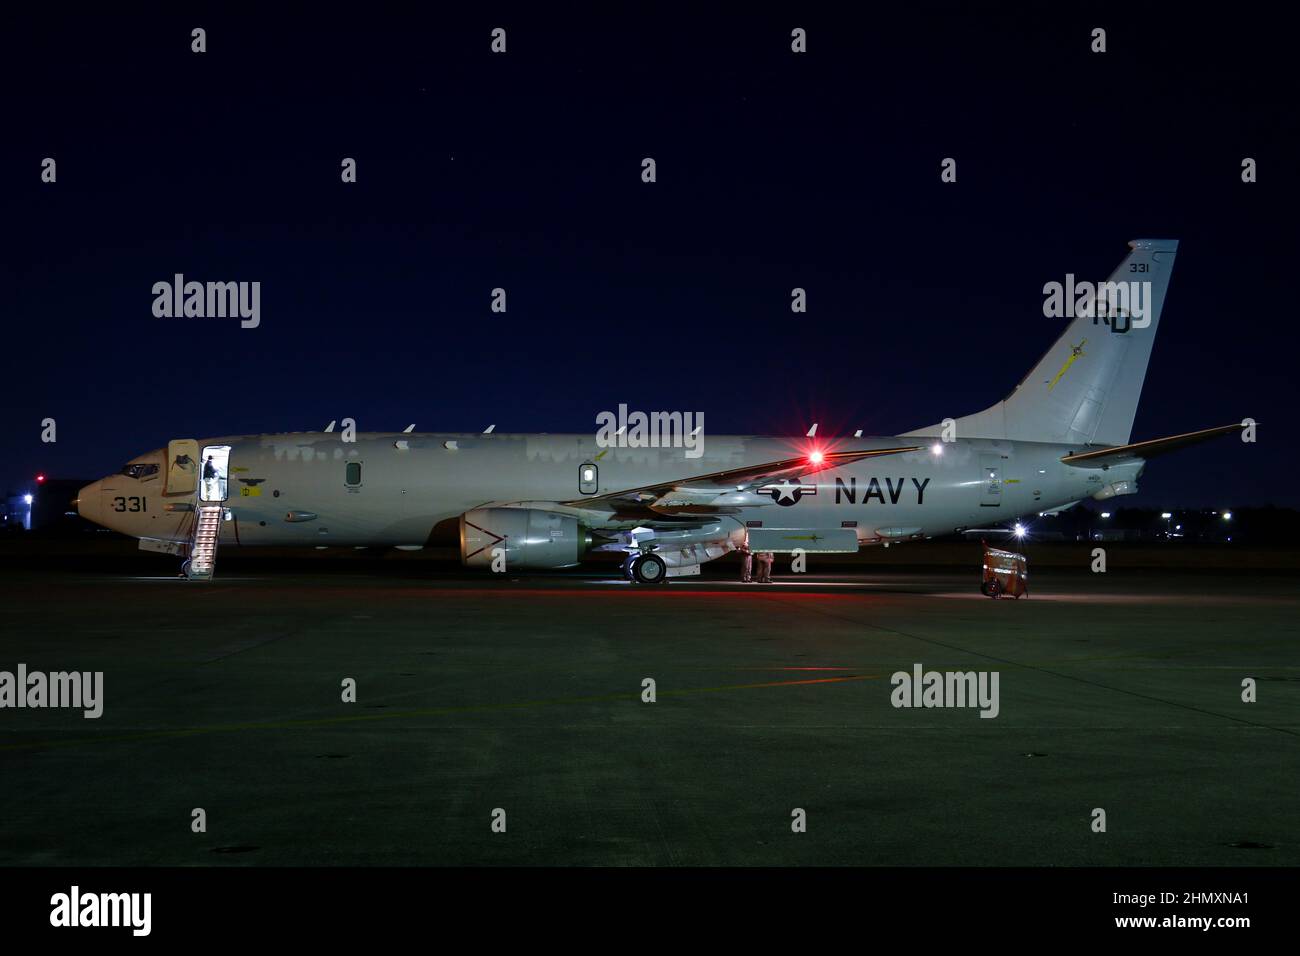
(1085,390)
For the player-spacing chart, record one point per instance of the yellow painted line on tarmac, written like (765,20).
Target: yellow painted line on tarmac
(427,712)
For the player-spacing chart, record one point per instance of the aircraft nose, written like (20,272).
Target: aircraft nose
(88,502)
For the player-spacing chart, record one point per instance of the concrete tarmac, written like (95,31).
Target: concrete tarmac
(524,695)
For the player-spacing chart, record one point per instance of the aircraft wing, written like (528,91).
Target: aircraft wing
(735,487)
(1146,449)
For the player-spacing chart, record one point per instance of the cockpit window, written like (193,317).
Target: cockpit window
(139,470)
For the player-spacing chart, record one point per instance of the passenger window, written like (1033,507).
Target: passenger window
(588,478)
(353,477)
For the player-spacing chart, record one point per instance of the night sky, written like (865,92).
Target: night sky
(523,171)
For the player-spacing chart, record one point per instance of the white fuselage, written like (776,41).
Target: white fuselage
(296,489)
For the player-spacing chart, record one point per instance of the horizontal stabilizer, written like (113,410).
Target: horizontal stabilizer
(1146,449)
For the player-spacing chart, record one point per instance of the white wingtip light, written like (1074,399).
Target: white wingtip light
(812,432)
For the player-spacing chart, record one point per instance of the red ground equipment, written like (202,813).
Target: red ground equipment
(1005,573)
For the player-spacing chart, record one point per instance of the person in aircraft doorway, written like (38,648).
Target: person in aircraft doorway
(746,565)
(765,560)
(211,481)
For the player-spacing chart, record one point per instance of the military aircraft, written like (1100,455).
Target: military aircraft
(522,501)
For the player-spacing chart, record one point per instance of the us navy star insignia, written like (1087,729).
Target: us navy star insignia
(788,492)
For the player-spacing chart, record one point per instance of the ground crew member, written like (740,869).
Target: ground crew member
(765,559)
(746,565)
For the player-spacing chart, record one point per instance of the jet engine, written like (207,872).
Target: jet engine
(509,538)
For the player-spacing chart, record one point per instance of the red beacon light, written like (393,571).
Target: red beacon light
(816,457)
(40,479)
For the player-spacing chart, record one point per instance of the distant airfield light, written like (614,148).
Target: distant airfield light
(1105,514)
(1166,515)
(1227,516)
(1178,527)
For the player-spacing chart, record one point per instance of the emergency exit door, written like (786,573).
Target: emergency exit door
(990,481)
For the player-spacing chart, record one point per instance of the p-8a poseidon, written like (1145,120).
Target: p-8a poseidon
(543,501)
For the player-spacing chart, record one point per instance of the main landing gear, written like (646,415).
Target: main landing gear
(647,568)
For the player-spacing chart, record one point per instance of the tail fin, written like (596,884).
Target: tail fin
(1085,390)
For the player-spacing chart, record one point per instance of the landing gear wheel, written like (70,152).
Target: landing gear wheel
(991,589)
(649,569)
(185,569)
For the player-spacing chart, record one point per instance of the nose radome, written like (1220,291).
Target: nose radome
(88,502)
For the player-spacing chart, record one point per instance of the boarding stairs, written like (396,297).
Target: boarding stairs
(203,542)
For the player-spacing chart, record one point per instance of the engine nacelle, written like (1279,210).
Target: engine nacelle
(529,537)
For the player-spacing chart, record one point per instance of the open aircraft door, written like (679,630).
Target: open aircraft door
(182,466)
